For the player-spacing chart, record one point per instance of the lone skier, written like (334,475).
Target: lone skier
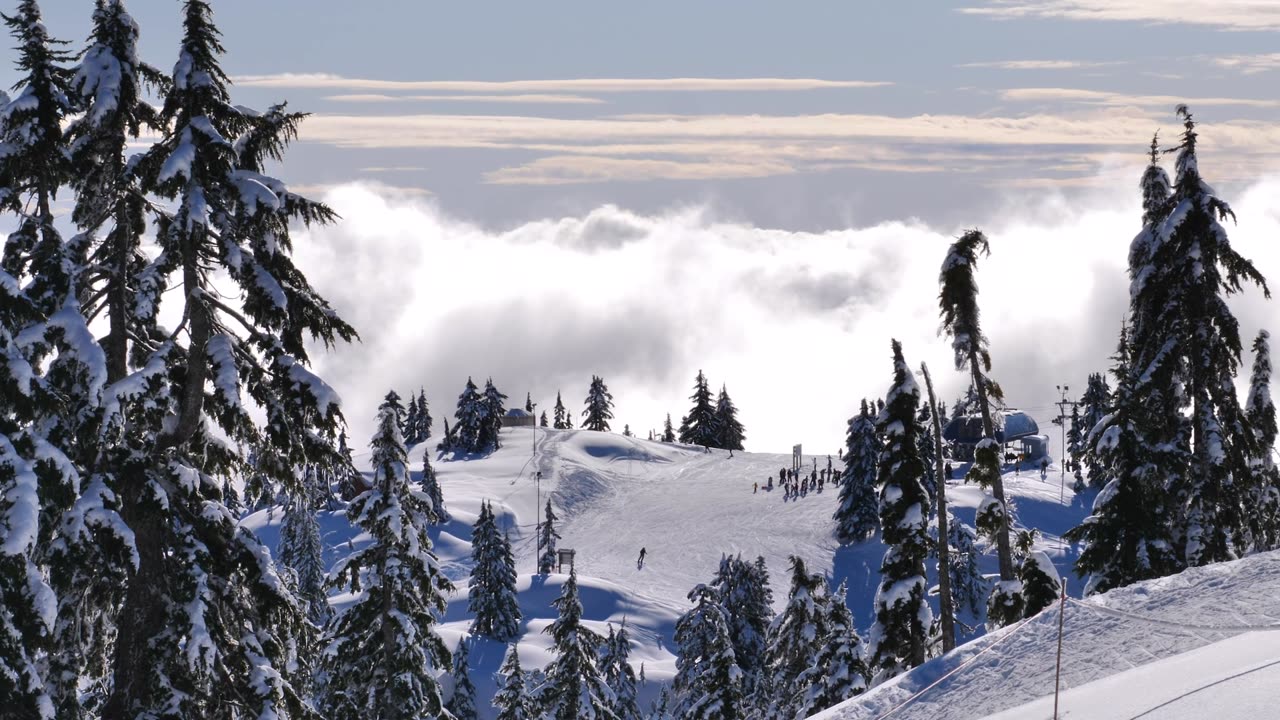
(640,562)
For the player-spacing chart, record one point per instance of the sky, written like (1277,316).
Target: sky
(540,193)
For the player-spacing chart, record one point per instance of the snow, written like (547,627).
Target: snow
(178,164)
(614,495)
(21,519)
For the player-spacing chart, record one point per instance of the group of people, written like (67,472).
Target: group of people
(796,484)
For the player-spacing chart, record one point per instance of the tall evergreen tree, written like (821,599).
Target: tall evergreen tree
(411,422)
(743,590)
(492,410)
(599,410)
(708,678)
(462,704)
(838,671)
(424,417)
(437,513)
(383,652)
(968,585)
(668,432)
(469,429)
(858,514)
(958,301)
(512,699)
(560,414)
(543,421)
(899,636)
(492,599)
(574,688)
(792,646)
(1096,402)
(302,553)
(1261,411)
(729,431)
(699,426)
(1075,446)
(547,540)
(925,434)
(618,674)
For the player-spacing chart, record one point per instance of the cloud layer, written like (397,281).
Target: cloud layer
(1228,14)
(797,324)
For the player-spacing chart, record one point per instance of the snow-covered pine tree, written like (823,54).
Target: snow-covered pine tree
(599,410)
(462,703)
(345,469)
(838,671)
(411,422)
(858,514)
(492,600)
(383,651)
(618,674)
(469,426)
(729,431)
(547,540)
(1040,582)
(699,426)
(1265,510)
(968,585)
(626,430)
(668,432)
(574,687)
(528,403)
(958,302)
(899,636)
(929,480)
(424,417)
(402,416)
(302,553)
(661,709)
(512,699)
(708,679)
(1075,447)
(437,513)
(203,586)
(560,414)
(568,421)
(743,593)
(1126,537)
(793,642)
(491,412)
(1096,402)
(543,421)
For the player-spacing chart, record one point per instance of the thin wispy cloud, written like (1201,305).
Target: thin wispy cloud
(526,98)
(1224,14)
(1039,64)
(573,85)
(1102,97)
(1249,64)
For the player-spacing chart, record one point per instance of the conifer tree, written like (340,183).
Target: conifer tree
(1075,446)
(925,434)
(528,403)
(568,421)
(838,671)
(574,687)
(383,652)
(543,421)
(899,635)
(411,422)
(492,600)
(462,704)
(468,430)
(512,699)
(968,585)
(560,414)
(708,679)
(491,413)
(547,540)
(1096,402)
(626,430)
(743,592)
(302,553)
(699,426)
(599,410)
(958,301)
(1261,411)
(1040,582)
(617,673)
(729,432)
(668,432)
(437,513)
(858,514)
(424,416)
(791,647)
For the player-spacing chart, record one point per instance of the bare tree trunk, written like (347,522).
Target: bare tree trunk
(944,548)
(1004,551)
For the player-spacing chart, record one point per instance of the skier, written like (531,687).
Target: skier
(640,562)
(755,488)
(1044,469)
(949,471)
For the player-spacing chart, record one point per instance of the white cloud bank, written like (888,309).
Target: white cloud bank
(1226,14)
(797,324)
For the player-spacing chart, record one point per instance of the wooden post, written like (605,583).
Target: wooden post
(944,549)
(1057,674)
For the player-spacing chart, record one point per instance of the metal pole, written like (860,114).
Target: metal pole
(1057,674)
(537,528)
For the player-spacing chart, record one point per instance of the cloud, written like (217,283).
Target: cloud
(1038,64)
(566,169)
(1250,64)
(796,323)
(1225,14)
(573,85)
(1102,97)
(534,99)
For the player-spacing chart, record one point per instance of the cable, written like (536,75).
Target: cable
(1171,623)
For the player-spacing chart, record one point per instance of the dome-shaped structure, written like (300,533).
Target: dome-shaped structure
(1010,425)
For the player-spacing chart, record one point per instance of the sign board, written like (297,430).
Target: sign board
(796,460)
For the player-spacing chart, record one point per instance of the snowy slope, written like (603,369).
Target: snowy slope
(1169,648)
(614,495)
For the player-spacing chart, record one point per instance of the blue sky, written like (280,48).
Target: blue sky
(965,102)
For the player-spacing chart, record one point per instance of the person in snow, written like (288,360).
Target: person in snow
(640,562)
(1044,469)
(755,488)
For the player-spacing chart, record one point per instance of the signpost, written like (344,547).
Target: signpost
(796,460)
